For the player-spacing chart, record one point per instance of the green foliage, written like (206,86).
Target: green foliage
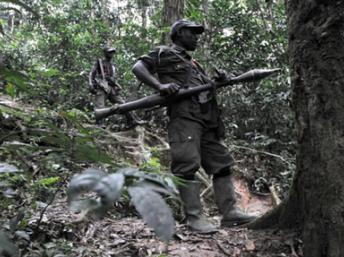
(242,35)
(12,179)
(57,57)
(152,165)
(48,182)
(47,63)
(154,211)
(15,6)
(9,177)
(107,187)
(20,4)
(7,247)
(143,188)
(15,81)
(10,90)
(245,35)
(194,11)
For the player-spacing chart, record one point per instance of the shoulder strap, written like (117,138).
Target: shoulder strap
(170,49)
(181,57)
(186,61)
(201,72)
(193,63)
(163,49)
(101,68)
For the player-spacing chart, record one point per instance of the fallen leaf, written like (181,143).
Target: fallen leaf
(250,246)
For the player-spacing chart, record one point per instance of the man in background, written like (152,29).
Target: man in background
(103,86)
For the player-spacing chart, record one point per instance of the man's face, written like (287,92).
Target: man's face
(109,55)
(188,39)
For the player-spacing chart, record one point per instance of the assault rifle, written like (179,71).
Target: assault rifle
(103,83)
(157,99)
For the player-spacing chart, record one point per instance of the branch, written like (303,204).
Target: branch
(274,194)
(268,220)
(44,210)
(262,152)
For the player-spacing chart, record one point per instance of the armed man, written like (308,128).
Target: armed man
(195,129)
(103,86)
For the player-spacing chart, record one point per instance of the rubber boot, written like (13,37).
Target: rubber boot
(190,194)
(225,200)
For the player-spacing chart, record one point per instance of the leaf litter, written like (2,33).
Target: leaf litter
(61,232)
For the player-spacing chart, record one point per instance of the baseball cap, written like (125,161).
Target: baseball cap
(109,49)
(198,29)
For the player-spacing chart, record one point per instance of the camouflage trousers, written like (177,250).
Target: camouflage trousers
(101,96)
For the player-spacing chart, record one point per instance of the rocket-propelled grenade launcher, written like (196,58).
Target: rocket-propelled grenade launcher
(157,99)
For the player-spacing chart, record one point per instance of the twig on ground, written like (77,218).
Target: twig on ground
(23,129)
(261,152)
(292,248)
(44,210)
(63,181)
(275,199)
(162,141)
(223,249)
(9,106)
(203,178)
(207,191)
(121,249)
(91,231)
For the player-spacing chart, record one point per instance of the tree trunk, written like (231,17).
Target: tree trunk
(207,38)
(316,202)
(173,10)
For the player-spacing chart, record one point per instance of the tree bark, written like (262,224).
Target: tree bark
(173,10)
(316,201)
(317,68)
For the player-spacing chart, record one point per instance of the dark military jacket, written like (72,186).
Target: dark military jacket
(174,64)
(109,72)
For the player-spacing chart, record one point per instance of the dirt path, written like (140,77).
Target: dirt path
(116,236)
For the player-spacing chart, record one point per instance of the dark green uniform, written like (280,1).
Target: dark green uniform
(100,95)
(195,129)
(103,85)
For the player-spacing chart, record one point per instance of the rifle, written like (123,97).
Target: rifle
(103,83)
(157,99)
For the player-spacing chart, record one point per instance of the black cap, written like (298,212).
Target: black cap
(198,29)
(109,50)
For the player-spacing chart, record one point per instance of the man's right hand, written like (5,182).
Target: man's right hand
(169,89)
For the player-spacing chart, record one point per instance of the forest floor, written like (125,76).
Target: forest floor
(61,233)
(117,236)
(52,230)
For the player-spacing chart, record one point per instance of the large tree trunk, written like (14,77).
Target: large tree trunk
(173,10)
(316,202)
